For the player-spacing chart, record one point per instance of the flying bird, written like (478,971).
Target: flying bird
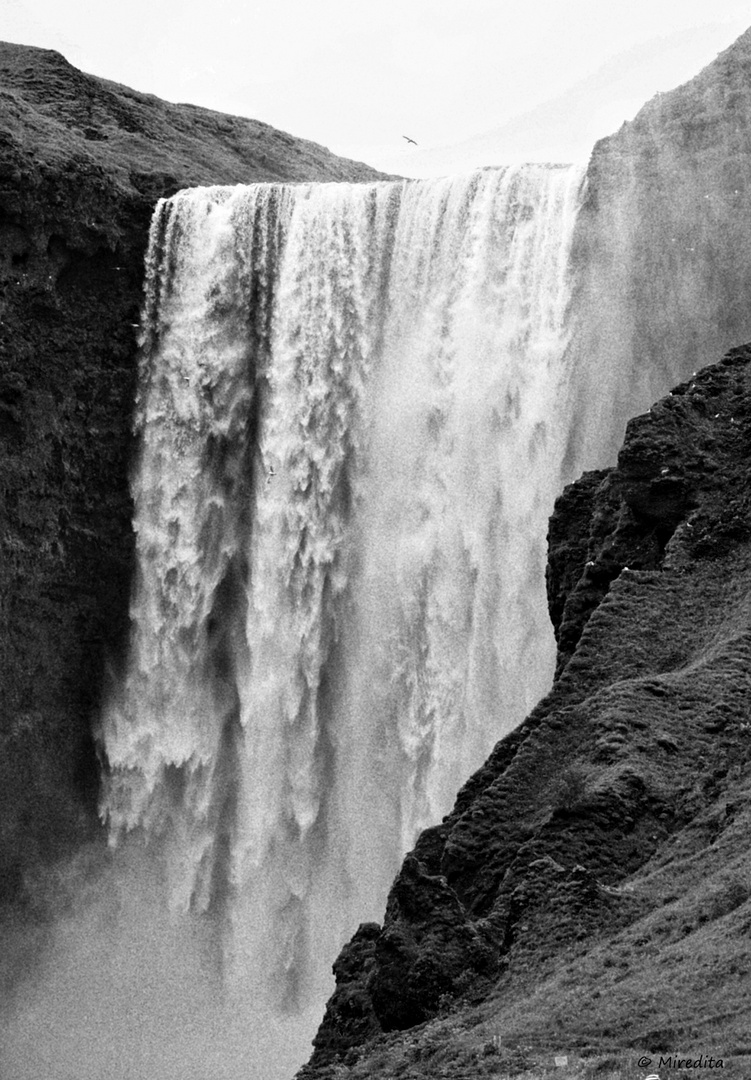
(409,140)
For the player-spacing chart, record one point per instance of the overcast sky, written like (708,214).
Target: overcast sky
(358,75)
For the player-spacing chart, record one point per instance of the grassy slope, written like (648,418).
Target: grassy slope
(603,850)
(60,113)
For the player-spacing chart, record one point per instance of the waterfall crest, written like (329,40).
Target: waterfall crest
(352,413)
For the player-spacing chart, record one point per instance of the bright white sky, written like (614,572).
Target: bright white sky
(356,76)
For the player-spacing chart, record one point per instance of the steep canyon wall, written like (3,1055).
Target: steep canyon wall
(663,281)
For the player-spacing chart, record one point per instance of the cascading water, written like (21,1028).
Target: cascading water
(352,415)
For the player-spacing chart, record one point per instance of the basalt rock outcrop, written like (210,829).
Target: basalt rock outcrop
(82,162)
(592,881)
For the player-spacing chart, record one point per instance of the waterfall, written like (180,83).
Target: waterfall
(352,412)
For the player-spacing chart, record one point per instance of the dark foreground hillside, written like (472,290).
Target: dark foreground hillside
(590,894)
(82,162)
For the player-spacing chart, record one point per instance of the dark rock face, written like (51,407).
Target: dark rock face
(353,1020)
(429,948)
(556,847)
(82,162)
(676,464)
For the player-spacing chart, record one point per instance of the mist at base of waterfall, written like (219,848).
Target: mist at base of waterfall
(124,989)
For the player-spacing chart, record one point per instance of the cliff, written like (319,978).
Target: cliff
(588,895)
(589,892)
(82,162)
(662,242)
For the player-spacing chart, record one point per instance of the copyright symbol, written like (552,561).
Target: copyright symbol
(644,1062)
